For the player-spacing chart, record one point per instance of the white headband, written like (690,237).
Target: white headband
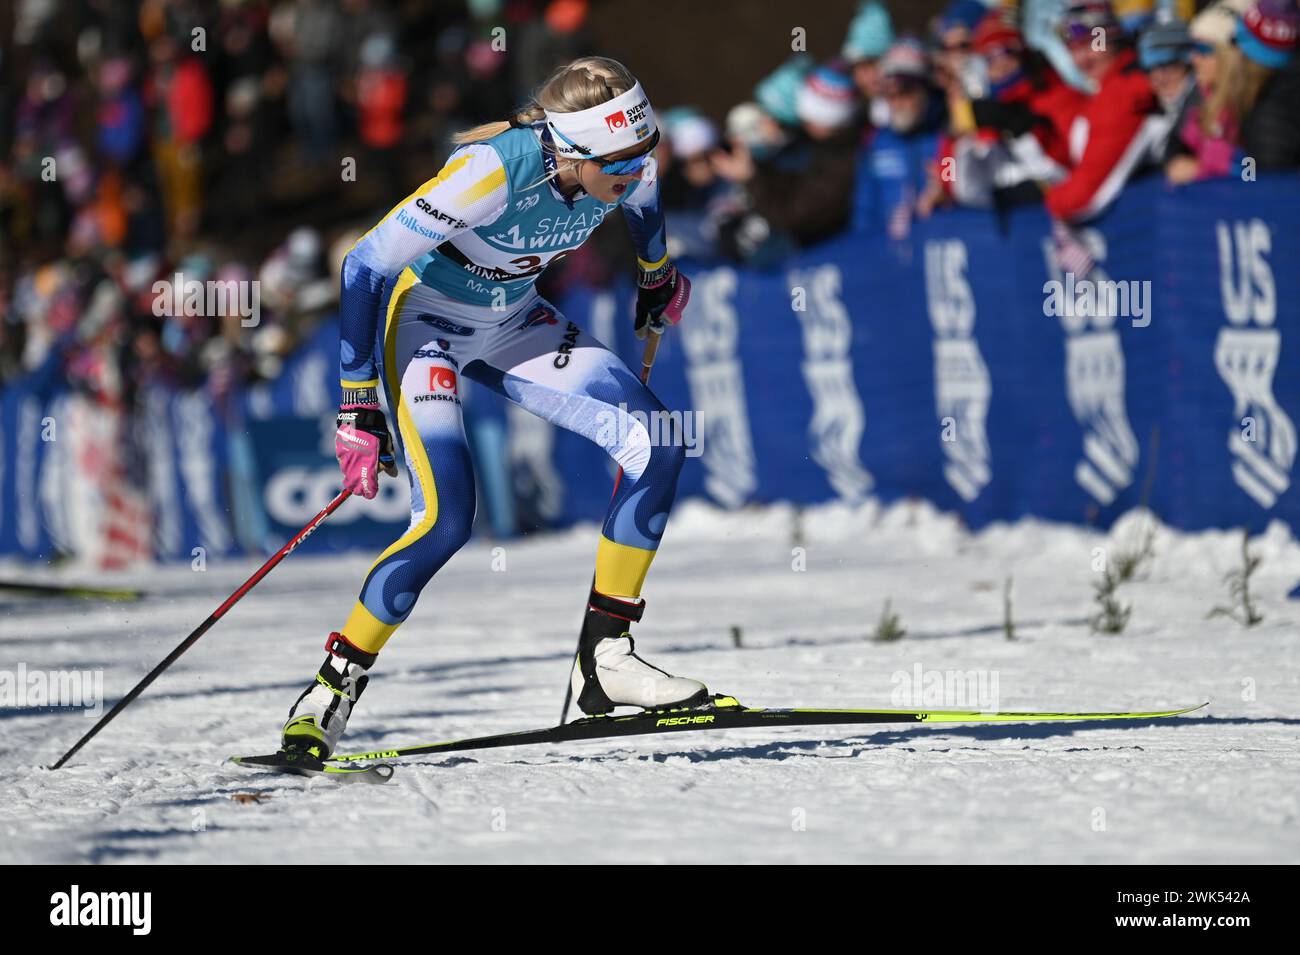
(617,124)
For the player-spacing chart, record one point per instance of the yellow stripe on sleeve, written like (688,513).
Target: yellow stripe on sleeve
(488,184)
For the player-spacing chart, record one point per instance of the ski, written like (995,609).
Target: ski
(726,712)
(70,590)
(303,765)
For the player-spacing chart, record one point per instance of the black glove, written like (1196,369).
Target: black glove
(1014,118)
(661,297)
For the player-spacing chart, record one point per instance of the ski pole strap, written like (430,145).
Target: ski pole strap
(630,610)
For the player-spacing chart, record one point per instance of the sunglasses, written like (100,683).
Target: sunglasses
(1076,33)
(625,167)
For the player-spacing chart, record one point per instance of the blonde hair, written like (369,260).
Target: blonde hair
(582,84)
(1237,84)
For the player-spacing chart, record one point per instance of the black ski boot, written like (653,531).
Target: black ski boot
(320,715)
(608,672)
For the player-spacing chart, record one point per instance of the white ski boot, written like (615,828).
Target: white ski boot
(608,672)
(318,718)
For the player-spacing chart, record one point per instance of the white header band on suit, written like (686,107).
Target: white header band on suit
(617,124)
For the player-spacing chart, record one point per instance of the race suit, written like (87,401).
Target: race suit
(443,287)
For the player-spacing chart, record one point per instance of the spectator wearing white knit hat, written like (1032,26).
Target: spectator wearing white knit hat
(1217,23)
(827,102)
(1247,74)
(1205,146)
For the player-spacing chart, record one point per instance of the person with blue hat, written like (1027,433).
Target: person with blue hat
(871,34)
(778,92)
(955,34)
(1165,55)
(1266,33)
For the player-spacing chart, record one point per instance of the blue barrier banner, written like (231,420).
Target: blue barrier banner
(69,484)
(960,365)
(187,473)
(964,367)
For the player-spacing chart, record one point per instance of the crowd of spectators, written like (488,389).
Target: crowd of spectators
(224,140)
(204,138)
(1001,104)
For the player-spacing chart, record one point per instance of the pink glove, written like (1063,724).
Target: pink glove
(364,448)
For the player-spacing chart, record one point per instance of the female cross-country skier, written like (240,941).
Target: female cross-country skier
(442,287)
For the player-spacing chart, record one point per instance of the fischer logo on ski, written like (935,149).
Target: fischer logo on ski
(683,720)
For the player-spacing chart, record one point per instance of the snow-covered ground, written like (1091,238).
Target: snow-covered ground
(487,650)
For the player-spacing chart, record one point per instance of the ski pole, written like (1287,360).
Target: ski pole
(206,625)
(657,330)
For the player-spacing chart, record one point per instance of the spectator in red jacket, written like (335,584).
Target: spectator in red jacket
(381,92)
(180,93)
(1023,83)
(1112,136)
(1004,147)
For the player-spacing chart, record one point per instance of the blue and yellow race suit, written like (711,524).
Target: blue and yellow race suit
(443,287)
